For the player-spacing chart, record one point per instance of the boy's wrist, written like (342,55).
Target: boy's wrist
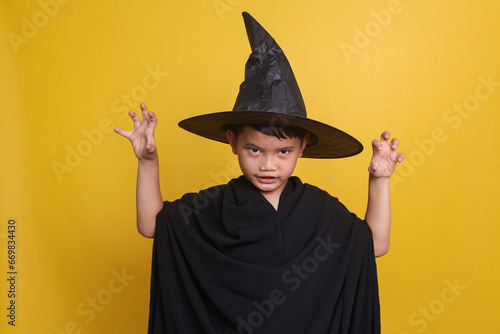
(382,179)
(148,161)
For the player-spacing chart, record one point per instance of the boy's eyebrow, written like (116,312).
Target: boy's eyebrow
(252,145)
(286,148)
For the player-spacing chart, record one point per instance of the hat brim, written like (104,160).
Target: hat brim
(331,142)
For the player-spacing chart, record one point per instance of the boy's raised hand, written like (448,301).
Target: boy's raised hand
(142,136)
(385,157)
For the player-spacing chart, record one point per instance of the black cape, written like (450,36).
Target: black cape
(225,261)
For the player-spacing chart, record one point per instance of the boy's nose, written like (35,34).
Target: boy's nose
(268,164)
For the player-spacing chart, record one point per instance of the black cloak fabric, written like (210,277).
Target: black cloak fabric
(225,261)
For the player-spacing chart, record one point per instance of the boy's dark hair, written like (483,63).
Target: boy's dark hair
(280,132)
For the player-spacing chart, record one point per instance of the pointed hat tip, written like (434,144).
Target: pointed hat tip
(246,16)
(255,32)
(249,20)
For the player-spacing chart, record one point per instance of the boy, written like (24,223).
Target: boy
(264,253)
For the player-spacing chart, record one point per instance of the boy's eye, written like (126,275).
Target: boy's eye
(254,150)
(284,152)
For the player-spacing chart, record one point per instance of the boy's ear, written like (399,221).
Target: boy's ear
(231,138)
(304,144)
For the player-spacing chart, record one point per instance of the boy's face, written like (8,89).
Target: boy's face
(266,161)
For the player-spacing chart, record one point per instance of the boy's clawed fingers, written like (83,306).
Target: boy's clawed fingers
(385,156)
(384,140)
(148,120)
(137,123)
(400,157)
(378,144)
(145,112)
(394,144)
(122,132)
(148,116)
(142,135)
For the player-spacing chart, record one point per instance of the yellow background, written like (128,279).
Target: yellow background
(67,78)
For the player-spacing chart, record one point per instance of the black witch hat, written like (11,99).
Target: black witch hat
(270,96)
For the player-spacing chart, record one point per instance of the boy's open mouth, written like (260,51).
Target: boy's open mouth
(266,179)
